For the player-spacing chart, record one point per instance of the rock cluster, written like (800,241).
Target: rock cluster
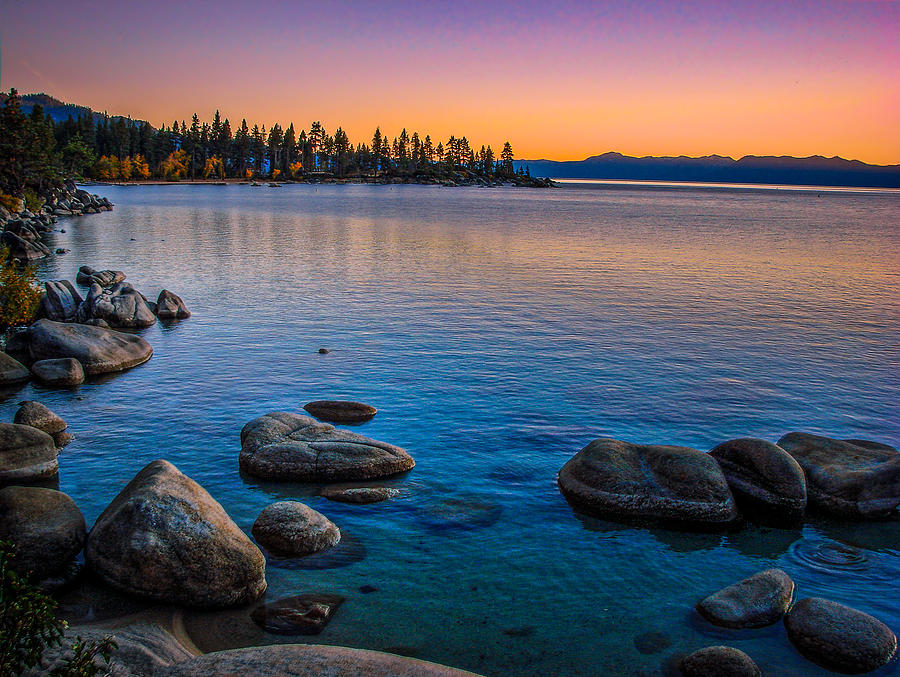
(21,230)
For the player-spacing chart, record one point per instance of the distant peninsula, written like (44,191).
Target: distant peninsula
(807,171)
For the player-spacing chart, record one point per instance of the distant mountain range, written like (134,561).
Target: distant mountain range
(808,171)
(56,109)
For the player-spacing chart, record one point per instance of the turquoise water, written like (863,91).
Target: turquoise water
(498,331)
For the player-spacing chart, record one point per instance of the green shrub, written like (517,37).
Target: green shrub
(33,201)
(20,292)
(29,626)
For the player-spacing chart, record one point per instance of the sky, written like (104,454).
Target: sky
(559,79)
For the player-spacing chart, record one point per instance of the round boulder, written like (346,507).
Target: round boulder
(719,661)
(60,373)
(763,477)
(292,528)
(753,602)
(856,479)
(98,350)
(838,637)
(340,411)
(165,538)
(26,454)
(38,416)
(12,371)
(620,479)
(45,526)
(283,446)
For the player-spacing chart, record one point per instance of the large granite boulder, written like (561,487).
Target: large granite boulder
(856,479)
(99,350)
(838,637)
(285,446)
(87,276)
(26,454)
(292,528)
(763,477)
(61,301)
(62,372)
(620,479)
(142,647)
(120,306)
(45,526)
(306,660)
(22,249)
(12,371)
(757,601)
(341,411)
(719,661)
(164,538)
(39,416)
(169,306)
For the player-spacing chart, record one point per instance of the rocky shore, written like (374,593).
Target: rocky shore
(22,229)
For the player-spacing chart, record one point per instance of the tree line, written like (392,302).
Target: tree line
(34,149)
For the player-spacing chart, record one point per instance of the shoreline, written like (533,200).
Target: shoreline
(458,181)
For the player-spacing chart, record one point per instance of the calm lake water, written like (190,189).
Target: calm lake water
(498,331)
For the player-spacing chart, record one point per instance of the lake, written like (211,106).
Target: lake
(498,331)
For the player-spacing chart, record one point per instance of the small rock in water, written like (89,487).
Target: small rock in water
(62,250)
(719,661)
(367,589)
(38,416)
(341,411)
(522,631)
(839,637)
(324,351)
(292,528)
(359,495)
(300,615)
(63,230)
(652,642)
(757,601)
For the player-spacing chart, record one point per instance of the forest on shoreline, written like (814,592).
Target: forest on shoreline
(36,151)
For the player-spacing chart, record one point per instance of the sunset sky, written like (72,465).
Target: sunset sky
(559,79)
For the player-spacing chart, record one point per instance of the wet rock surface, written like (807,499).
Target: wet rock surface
(284,446)
(45,526)
(341,411)
(839,637)
(26,454)
(359,495)
(757,601)
(38,416)
(165,538)
(292,528)
(857,479)
(98,350)
(306,614)
(719,661)
(621,479)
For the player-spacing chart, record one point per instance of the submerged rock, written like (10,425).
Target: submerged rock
(763,477)
(165,538)
(857,479)
(59,373)
(61,301)
(838,637)
(39,416)
(359,495)
(45,526)
(340,411)
(757,601)
(285,446)
(120,306)
(300,615)
(26,454)
(98,350)
(169,306)
(621,479)
(12,371)
(292,528)
(306,660)
(719,661)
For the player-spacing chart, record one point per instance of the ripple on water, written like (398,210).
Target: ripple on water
(829,557)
